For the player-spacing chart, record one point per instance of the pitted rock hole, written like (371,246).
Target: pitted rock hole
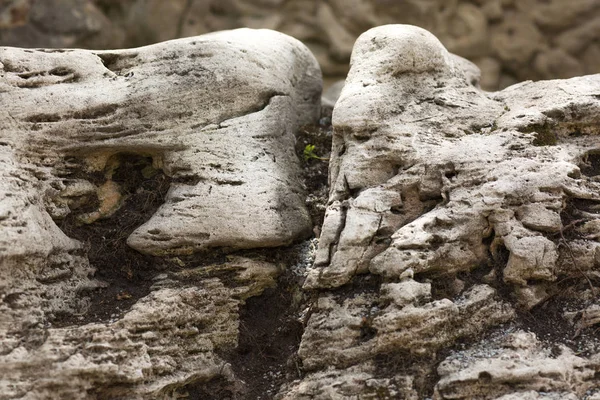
(136,190)
(591,164)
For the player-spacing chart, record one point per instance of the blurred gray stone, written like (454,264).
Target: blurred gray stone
(509,32)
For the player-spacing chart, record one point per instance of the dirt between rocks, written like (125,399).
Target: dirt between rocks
(270,333)
(270,328)
(126,273)
(315,167)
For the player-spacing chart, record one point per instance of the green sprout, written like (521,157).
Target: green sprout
(309,153)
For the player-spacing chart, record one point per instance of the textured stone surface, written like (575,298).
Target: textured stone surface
(166,340)
(516,365)
(458,257)
(355,382)
(398,320)
(451,212)
(223,132)
(424,171)
(74,125)
(509,40)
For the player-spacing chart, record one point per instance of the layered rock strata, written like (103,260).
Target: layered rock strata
(458,258)
(216,115)
(452,212)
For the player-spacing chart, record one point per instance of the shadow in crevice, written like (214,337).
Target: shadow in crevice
(126,273)
(269,338)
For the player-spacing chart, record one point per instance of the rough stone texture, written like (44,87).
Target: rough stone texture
(166,340)
(509,40)
(427,169)
(353,383)
(458,257)
(516,365)
(453,211)
(221,131)
(400,317)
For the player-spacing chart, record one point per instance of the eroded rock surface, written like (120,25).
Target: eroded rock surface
(458,258)
(167,340)
(516,365)
(453,212)
(82,133)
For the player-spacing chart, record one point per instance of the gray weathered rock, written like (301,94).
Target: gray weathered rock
(222,131)
(217,114)
(462,226)
(166,340)
(449,210)
(359,381)
(515,366)
(399,318)
(425,171)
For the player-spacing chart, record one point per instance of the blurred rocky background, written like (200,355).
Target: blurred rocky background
(509,40)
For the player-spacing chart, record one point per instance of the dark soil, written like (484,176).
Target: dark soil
(547,321)
(270,331)
(315,170)
(269,338)
(127,273)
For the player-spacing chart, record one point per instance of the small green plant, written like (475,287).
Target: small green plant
(309,153)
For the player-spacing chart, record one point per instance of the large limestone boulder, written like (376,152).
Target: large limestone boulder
(81,133)
(452,212)
(433,175)
(222,131)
